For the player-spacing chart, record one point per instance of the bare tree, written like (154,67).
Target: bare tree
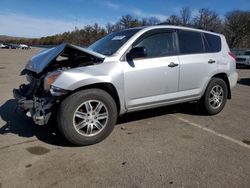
(208,20)
(128,21)
(149,21)
(110,27)
(173,20)
(237,28)
(185,16)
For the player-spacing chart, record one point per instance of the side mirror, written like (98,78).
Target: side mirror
(137,52)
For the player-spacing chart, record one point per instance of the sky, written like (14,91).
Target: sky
(38,18)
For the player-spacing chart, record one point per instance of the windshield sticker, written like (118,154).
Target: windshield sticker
(118,37)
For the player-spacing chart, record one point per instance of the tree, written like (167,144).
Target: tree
(173,20)
(149,21)
(128,21)
(125,21)
(185,16)
(237,28)
(110,28)
(76,38)
(208,20)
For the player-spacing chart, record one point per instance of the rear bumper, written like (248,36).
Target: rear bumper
(233,78)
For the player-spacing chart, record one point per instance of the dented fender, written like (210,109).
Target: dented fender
(107,72)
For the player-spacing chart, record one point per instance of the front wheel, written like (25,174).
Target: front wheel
(215,96)
(87,117)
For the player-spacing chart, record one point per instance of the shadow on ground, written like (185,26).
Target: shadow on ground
(242,67)
(244,81)
(17,123)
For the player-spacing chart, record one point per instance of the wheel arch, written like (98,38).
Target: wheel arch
(108,87)
(224,77)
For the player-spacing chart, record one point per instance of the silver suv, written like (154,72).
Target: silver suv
(129,70)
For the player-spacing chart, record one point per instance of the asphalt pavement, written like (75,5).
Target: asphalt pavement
(174,146)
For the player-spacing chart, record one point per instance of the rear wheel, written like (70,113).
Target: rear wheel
(87,117)
(215,96)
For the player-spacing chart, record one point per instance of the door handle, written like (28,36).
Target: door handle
(210,61)
(172,64)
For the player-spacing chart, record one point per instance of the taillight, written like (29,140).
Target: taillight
(232,55)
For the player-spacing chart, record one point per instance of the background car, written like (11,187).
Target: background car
(24,46)
(2,46)
(11,46)
(243,59)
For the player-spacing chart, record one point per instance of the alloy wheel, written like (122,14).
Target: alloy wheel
(216,97)
(90,118)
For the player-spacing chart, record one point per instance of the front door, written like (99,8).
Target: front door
(154,78)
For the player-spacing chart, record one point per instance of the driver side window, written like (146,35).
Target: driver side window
(158,44)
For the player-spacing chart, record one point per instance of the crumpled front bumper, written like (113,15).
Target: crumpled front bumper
(23,104)
(38,108)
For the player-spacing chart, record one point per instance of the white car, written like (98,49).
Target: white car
(244,59)
(2,46)
(24,46)
(126,71)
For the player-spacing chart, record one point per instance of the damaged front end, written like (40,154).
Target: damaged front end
(38,98)
(35,105)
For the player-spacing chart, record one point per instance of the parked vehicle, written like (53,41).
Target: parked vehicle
(24,46)
(126,71)
(2,46)
(11,46)
(243,59)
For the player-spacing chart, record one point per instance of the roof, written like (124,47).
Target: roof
(176,27)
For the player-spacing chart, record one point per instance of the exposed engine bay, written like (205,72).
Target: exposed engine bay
(37,98)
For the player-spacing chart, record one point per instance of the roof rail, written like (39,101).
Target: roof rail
(187,25)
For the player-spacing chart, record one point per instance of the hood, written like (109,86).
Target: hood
(43,59)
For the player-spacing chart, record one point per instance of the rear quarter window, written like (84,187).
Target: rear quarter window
(212,42)
(190,42)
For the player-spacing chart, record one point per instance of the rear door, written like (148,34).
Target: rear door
(213,47)
(196,65)
(152,79)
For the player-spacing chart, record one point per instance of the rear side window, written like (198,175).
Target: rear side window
(190,42)
(158,44)
(212,43)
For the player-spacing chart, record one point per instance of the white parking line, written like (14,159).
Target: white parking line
(213,132)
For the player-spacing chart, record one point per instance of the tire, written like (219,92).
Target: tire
(94,110)
(213,104)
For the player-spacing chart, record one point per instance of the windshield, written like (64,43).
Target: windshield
(247,53)
(109,44)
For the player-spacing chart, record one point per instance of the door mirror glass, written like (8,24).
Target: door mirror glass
(137,52)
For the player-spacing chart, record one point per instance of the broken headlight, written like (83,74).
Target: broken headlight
(50,78)
(56,91)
